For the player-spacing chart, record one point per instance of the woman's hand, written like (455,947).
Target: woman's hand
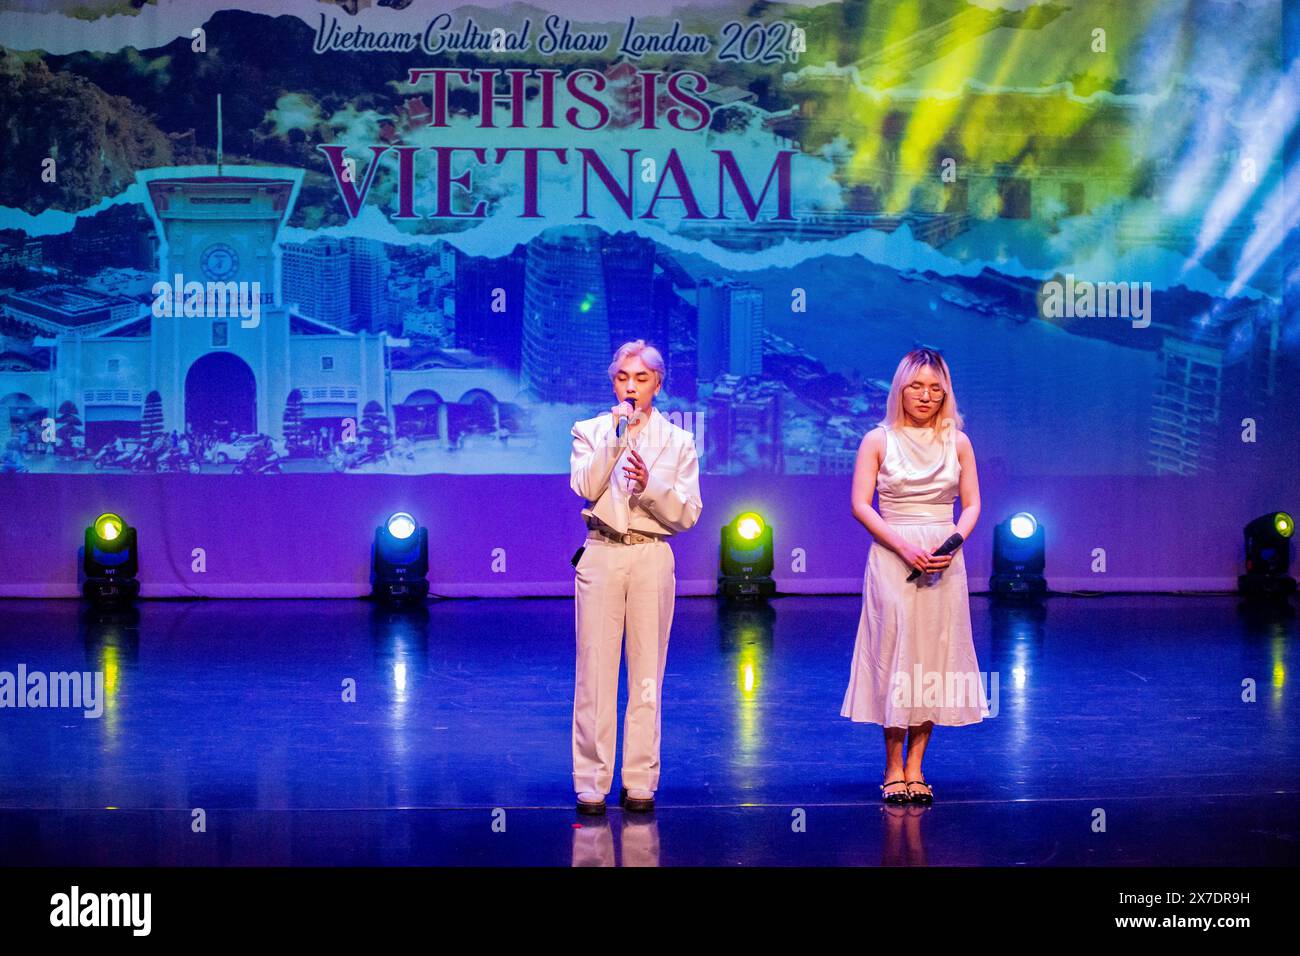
(924,561)
(915,557)
(939,561)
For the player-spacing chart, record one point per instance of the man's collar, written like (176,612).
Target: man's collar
(655,428)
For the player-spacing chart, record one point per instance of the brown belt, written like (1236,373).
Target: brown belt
(598,530)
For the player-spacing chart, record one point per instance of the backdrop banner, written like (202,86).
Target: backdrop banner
(272,270)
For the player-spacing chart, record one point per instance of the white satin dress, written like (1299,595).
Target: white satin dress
(914,660)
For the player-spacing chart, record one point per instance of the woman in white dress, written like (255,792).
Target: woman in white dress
(914,661)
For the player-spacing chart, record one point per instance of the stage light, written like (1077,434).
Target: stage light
(1023,525)
(747,558)
(400,560)
(1268,556)
(109,561)
(749,526)
(401,525)
(1019,557)
(108,527)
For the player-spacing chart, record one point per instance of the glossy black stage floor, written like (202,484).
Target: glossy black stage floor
(224,739)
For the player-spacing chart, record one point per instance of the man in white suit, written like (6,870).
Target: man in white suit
(639,476)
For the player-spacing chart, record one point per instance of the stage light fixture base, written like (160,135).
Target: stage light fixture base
(1265,585)
(1018,585)
(110,592)
(746,589)
(401,592)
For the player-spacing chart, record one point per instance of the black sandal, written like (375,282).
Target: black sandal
(898,796)
(922,798)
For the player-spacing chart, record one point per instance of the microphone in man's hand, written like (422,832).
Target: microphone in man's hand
(948,547)
(621,425)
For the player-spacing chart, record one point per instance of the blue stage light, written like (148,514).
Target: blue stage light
(1023,524)
(401,525)
(1019,557)
(400,560)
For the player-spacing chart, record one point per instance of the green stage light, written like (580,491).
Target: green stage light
(747,558)
(108,526)
(749,526)
(110,561)
(1268,556)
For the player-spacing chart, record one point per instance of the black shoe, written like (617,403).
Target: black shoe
(591,809)
(635,806)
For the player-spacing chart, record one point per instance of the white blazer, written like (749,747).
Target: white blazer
(671,500)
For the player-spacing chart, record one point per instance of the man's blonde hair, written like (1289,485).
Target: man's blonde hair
(650,355)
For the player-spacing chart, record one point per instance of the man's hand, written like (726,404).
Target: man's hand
(636,472)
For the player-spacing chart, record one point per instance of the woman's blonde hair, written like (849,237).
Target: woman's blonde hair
(910,364)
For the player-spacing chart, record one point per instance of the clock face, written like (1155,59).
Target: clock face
(219,261)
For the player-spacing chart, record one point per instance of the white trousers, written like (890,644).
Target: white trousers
(617,587)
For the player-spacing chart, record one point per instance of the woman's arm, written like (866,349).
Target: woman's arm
(865,470)
(678,505)
(969,487)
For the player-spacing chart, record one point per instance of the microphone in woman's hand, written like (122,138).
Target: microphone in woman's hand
(948,547)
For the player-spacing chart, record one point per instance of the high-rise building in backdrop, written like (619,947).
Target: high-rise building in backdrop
(318,280)
(566,334)
(730,329)
(368,284)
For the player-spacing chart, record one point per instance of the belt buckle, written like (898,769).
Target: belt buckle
(627,538)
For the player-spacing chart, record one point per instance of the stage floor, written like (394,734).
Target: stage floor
(456,750)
